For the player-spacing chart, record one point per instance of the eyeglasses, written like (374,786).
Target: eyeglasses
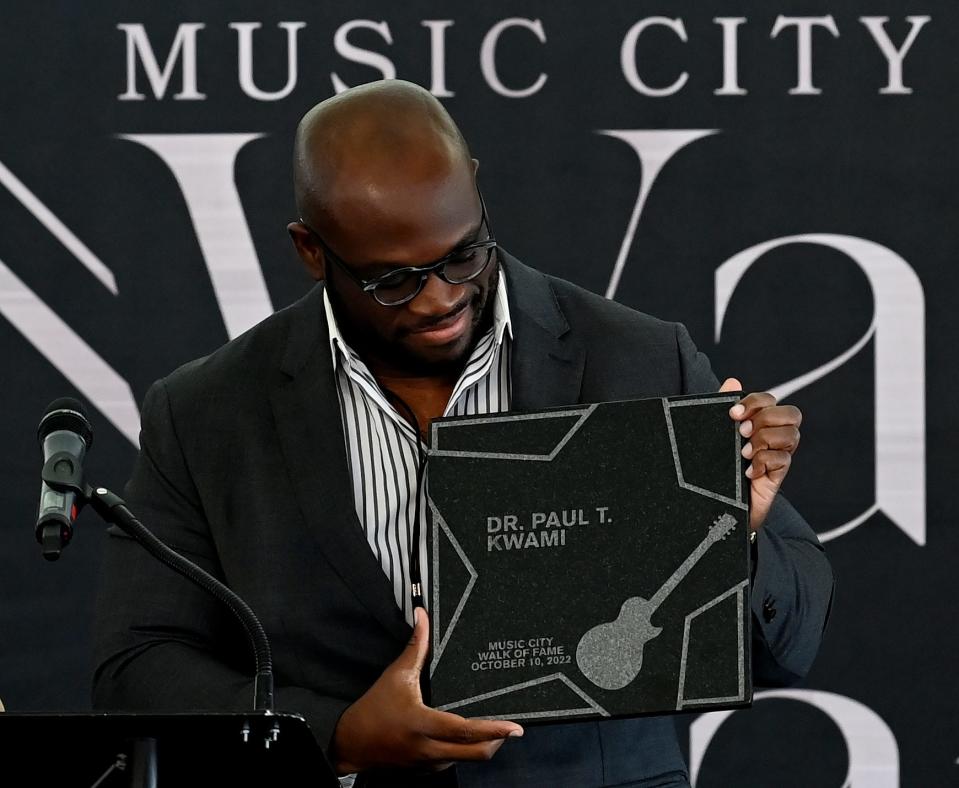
(404,284)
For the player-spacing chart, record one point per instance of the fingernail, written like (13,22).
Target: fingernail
(747,451)
(746,428)
(515,734)
(749,471)
(416,616)
(736,411)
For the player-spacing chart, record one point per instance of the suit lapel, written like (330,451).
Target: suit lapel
(547,365)
(306,410)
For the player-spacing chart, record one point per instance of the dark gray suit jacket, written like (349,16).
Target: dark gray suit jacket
(242,467)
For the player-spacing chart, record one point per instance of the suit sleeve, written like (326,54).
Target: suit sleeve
(792,588)
(163,644)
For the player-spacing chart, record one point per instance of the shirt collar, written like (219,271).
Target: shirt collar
(502,323)
(501,319)
(337,345)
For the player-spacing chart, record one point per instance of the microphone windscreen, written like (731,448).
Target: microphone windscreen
(66,413)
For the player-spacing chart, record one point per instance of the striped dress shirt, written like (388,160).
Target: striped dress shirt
(381,446)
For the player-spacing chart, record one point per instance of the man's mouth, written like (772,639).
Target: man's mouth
(445,330)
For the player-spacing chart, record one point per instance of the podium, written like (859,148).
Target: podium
(161,750)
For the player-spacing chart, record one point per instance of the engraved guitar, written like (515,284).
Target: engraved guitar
(611,654)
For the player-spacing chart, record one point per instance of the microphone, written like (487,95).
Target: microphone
(65,435)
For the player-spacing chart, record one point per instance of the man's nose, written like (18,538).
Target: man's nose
(437,298)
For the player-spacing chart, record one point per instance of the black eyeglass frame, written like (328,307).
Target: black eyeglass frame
(423,271)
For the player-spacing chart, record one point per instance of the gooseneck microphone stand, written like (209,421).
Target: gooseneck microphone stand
(112,509)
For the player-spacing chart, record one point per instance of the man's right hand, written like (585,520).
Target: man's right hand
(391,726)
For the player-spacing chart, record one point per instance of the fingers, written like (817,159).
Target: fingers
(773,435)
(771,463)
(455,738)
(763,405)
(444,751)
(759,412)
(751,404)
(448,727)
(772,432)
(390,726)
(786,437)
(773,416)
(731,384)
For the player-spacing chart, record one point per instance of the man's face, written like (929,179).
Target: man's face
(376,230)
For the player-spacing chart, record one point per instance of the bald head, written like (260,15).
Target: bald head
(384,183)
(358,148)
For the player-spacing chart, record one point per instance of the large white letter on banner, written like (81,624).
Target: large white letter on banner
(804,26)
(358,55)
(244,32)
(654,149)
(203,167)
(51,336)
(488,56)
(876,25)
(627,56)
(898,332)
(139,44)
(870,744)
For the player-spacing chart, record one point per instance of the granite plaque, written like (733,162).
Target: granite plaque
(590,561)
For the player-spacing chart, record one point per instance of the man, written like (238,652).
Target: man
(287,464)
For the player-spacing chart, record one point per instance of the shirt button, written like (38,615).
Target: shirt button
(769,612)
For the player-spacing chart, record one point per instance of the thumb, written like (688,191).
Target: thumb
(731,384)
(414,655)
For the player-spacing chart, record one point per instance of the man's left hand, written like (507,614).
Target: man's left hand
(772,433)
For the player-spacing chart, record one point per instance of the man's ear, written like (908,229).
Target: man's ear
(309,251)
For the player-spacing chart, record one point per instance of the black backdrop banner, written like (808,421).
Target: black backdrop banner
(778,176)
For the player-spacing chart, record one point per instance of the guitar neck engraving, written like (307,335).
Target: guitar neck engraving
(720,528)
